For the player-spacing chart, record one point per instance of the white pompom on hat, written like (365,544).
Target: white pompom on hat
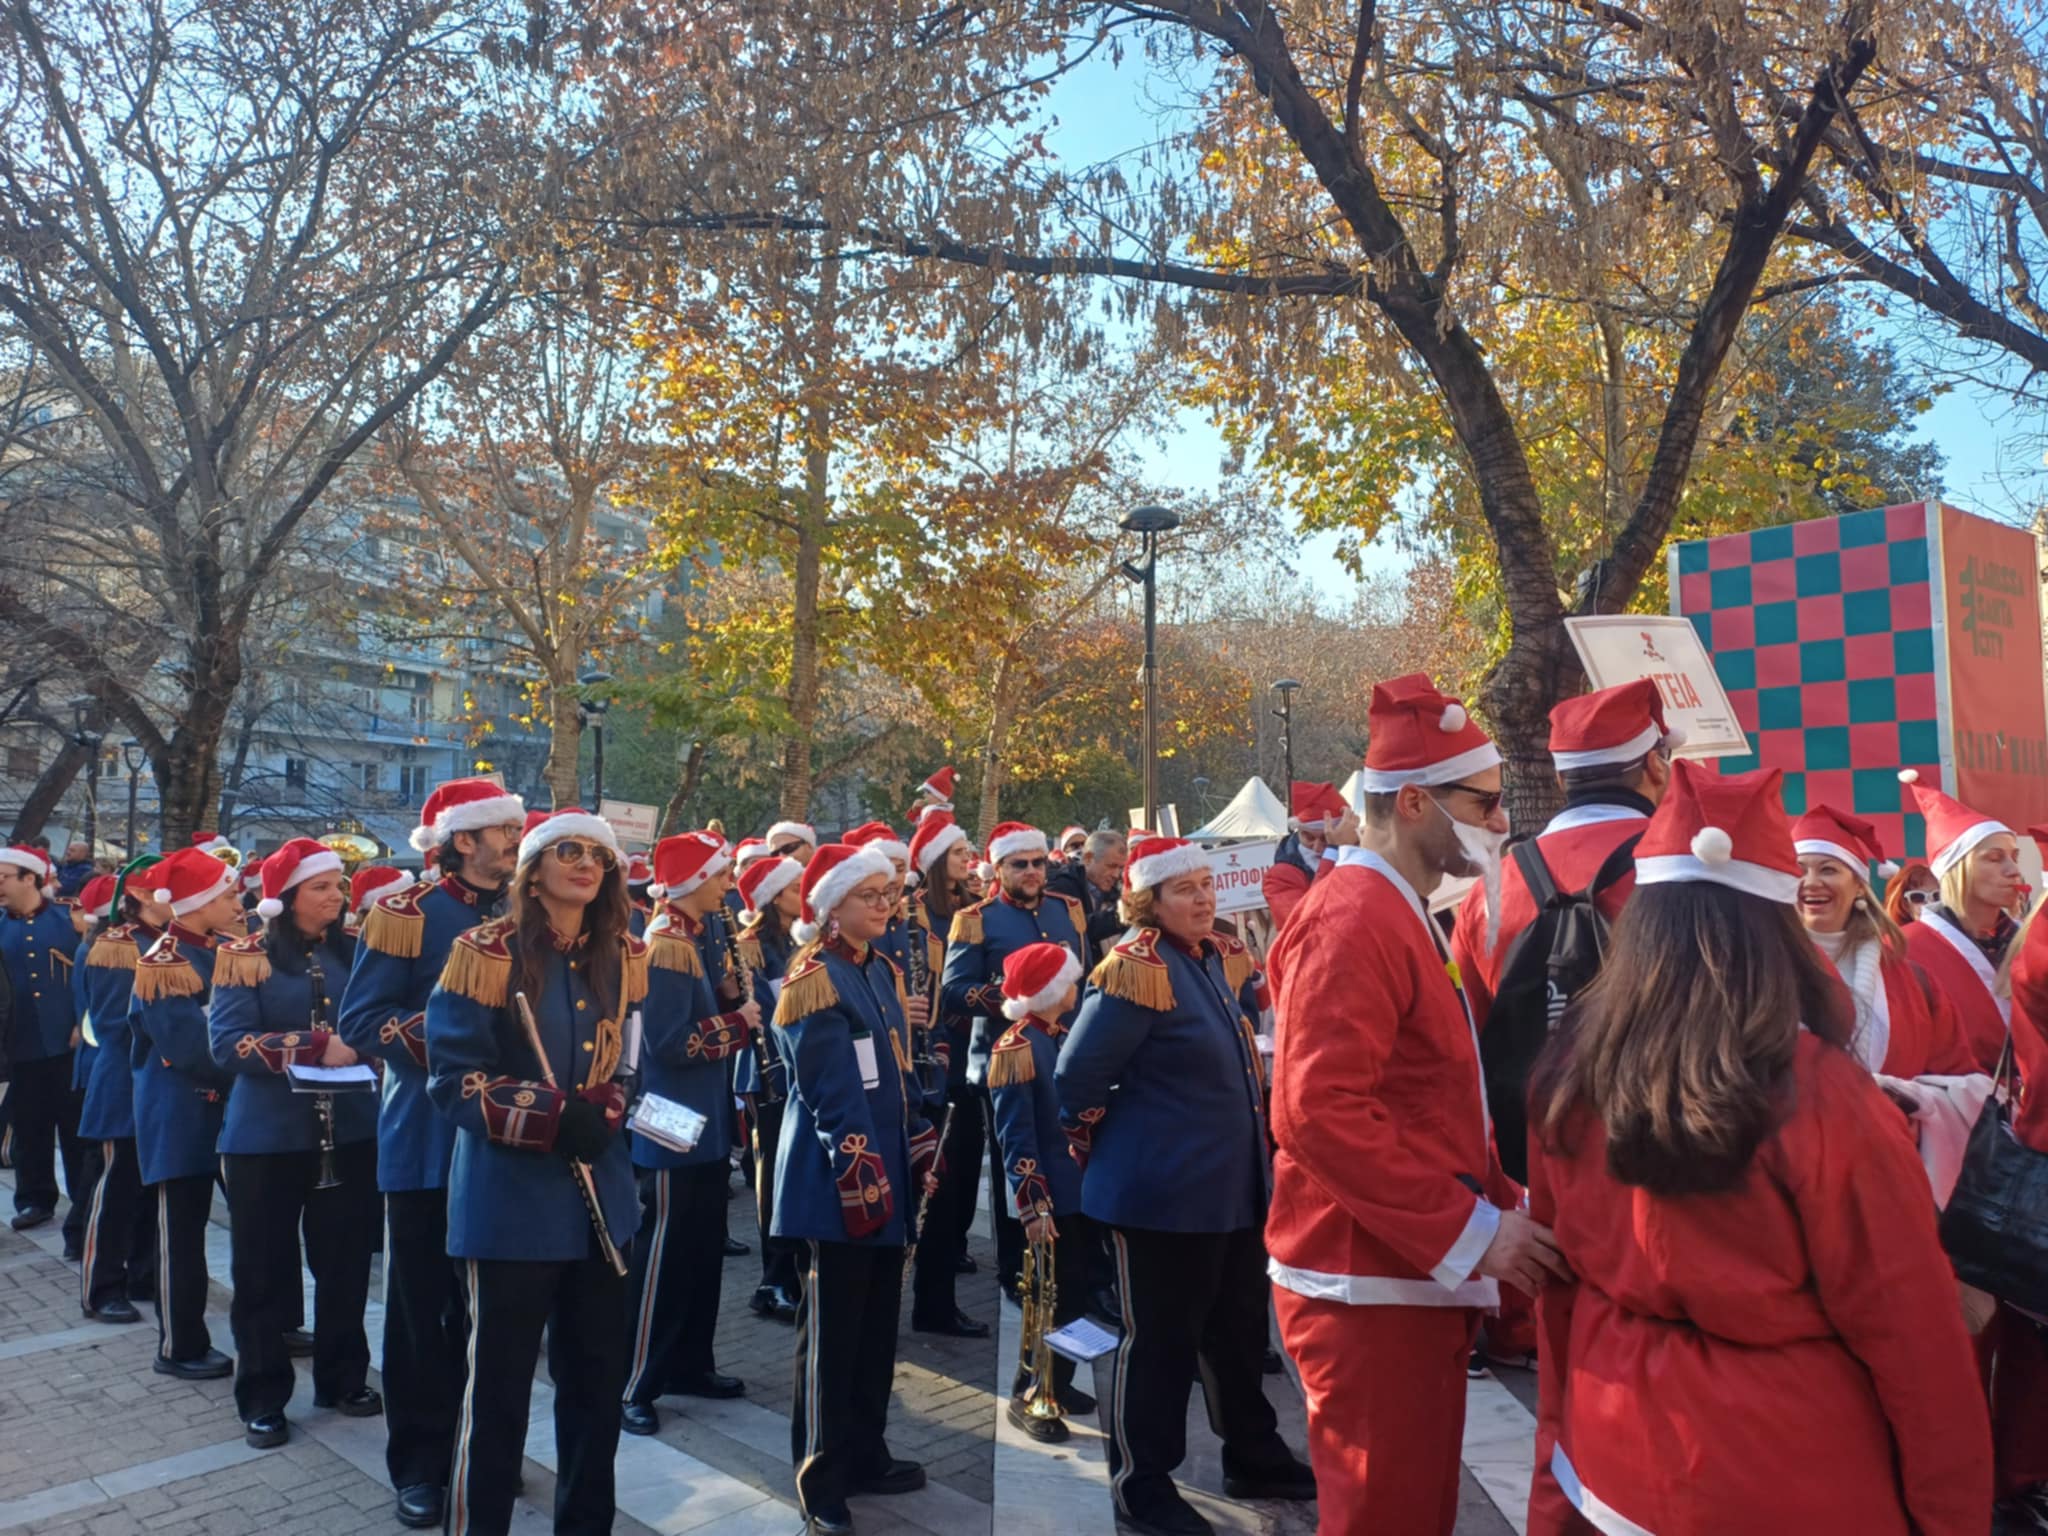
(1953,829)
(189,878)
(1420,735)
(1725,829)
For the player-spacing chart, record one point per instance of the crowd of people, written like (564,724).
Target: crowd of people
(1699,1184)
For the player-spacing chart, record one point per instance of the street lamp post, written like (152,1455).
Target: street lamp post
(1285,688)
(1148,523)
(593,711)
(81,714)
(131,754)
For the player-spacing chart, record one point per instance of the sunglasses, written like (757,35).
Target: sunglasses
(1023,863)
(1922,898)
(570,853)
(1488,799)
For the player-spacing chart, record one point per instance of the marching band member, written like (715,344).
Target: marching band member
(678,1264)
(1039,986)
(366,885)
(774,901)
(181,1095)
(855,1151)
(1162,1096)
(89,909)
(983,936)
(37,944)
(639,875)
(1757,1328)
(1316,811)
(274,997)
(1391,1221)
(529,1124)
(1961,941)
(470,828)
(119,1267)
(793,840)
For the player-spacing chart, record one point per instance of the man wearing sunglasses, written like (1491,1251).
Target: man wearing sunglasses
(1021,911)
(793,840)
(472,829)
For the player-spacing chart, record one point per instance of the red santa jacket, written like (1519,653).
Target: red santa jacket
(1283,885)
(1381,1140)
(1574,845)
(2030,1034)
(1961,970)
(1782,1357)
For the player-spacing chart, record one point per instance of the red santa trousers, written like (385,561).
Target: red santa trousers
(1386,1411)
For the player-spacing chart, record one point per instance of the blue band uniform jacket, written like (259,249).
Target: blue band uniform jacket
(1162,1090)
(983,937)
(400,951)
(180,1095)
(37,951)
(850,1155)
(1023,1087)
(510,1194)
(107,972)
(263,1021)
(688,1047)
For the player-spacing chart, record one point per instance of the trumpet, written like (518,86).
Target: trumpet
(1037,1294)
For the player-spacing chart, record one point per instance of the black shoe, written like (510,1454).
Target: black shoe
(73,1253)
(420,1505)
(34,1216)
(965,1265)
(1289,1479)
(117,1310)
(762,1302)
(298,1343)
(735,1249)
(1046,1431)
(1075,1401)
(210,1366)
(829,1522)
(266,1430)
(958,1326)
(1273,1365)
(363,1403)
(708,1384)
(897,1476)
(1166,1515)
(785,1306)
(639,1419)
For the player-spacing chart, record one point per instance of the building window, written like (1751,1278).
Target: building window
(371,774)
(412,781)
(23,762)
(295,773)
(421,707)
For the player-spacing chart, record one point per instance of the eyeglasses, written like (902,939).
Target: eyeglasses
(1922,898)
(1488,799)
(1021,863)
(874,899)
(571,853)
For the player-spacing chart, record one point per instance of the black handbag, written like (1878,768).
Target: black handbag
(1996,1225)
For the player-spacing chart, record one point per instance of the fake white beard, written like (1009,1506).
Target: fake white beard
(1482,849)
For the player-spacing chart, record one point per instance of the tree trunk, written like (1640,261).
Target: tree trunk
(811,520)
(564,771)
(686,789)
(51,786)
(231,787)
(1002,713)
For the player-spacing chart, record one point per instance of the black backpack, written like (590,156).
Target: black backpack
(1544,968)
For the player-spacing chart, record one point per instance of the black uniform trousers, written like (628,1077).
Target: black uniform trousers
(578,1302)
(120,1232)
(45,1123)
(781,1257)
(845,1362)
(1072,1252)
(426,1336)
(269,1195)
(1195,1304)
(677,1270)
(1009,1230)
(950,1215)
(182,1206)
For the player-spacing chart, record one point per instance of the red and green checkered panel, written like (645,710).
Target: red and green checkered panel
(1822,633)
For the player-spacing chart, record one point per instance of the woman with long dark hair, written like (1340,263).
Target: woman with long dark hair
(1763,1331)
(532,1123)
(295,1159)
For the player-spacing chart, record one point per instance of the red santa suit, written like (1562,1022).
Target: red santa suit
(1965,975)
(2019,1397)
(1315,808)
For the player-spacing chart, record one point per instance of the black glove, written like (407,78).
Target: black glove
(583,1132)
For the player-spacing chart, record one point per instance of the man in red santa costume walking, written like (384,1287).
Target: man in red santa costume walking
(1390,1220)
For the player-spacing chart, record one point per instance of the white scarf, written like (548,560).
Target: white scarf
(1862,969)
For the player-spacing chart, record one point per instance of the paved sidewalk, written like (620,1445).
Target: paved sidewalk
(92,1443)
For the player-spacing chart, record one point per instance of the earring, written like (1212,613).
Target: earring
(1862,905)
(831,929)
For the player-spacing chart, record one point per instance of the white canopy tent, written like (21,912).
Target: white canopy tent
(1354,791)
(1254,811)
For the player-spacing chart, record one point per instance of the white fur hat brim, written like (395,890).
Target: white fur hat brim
(834,887)
(193,903)
(474,816)
(940,844)
(581,824)
(795,829)
(1015,1008)
(1144,874)
(779,879)
(1029,840)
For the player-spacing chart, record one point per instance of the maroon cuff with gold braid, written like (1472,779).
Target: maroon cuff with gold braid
(924,1153)
(865,1203)
(294,1048)
(988,1000)
(1033,1193)
(410,1033)
(718,1038)
(517,1113)
(1081,1138)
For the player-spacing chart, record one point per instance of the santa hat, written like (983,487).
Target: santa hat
(765,879)
(1828,833)
(372,881)
(1729,829)
(684,862)
(252,877)
(96,899)
(985,872)
(940,787)
(1315,807)
(1036,977)
(750,849)
(881,837)
(34,860)
(1421,736)
(1156,860)
(1014,837)
(573,822)
(464,805)
(1953,829)
(188,879)
(829,879)
(1611,727)
(936,834)
(639,869)
(210,841)
(533,819)
(1067,834)
(784,830)
(295,863)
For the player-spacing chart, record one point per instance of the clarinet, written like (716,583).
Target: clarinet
(931,1075)
(767,1065)
(323,1103)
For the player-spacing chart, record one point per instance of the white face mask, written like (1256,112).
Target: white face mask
(1482,849)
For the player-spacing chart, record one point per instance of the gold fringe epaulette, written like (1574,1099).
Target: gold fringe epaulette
(394,924)
(244,963)
(480,964)
(967,925)
(807,989)
(671,949)
(1010,1059)
(1238,965)
(165,972)
(1134,971)
(114,950)
(633,973)
(1075,911)
(750,951)
(934,953)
